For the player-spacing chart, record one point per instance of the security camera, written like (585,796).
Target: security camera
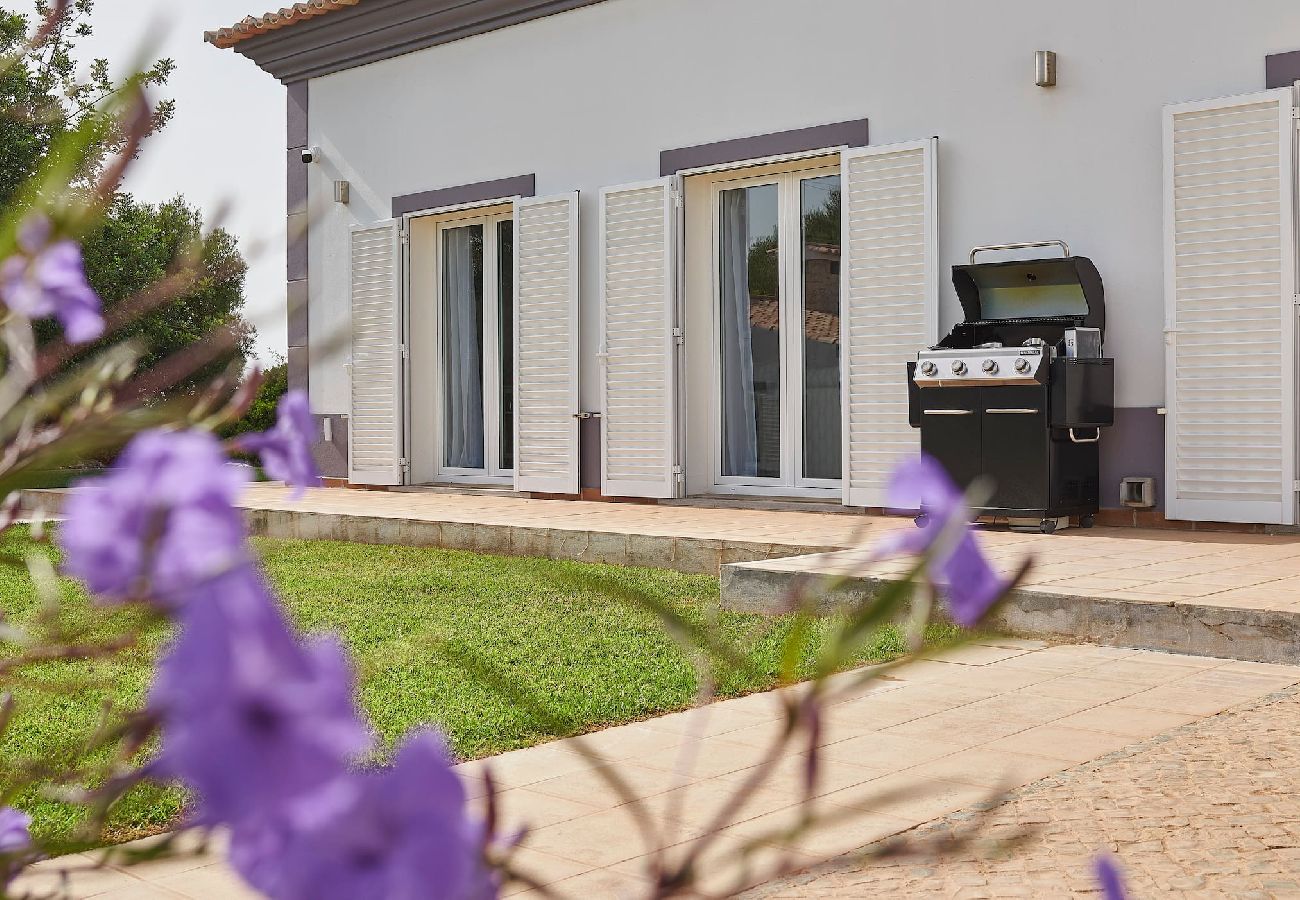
(310,154)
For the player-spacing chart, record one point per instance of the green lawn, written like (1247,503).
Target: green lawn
(592,659)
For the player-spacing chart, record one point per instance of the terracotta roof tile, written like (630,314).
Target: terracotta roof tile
(822,327)
(252,26)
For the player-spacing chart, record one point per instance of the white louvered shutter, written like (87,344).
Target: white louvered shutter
(546,344)
(375,423)
(889,305)
(1230,309)
(638,303)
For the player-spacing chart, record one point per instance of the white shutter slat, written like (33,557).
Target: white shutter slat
(546,344)
(375,422)
(638,351)
(890,305)
(1229,308)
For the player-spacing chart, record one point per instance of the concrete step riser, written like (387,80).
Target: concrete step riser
(1252,635)
(695,556)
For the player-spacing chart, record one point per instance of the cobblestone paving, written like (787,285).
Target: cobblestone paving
(1210,809)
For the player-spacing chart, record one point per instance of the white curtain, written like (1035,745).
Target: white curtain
(462,347)
(739,427)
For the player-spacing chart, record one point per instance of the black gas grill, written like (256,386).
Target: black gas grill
(1019,391)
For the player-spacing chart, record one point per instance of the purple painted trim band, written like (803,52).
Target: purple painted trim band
(1134,445)
(296,116)
(479,192)
(331,456)
(296,301)
(295,255)
(798,140)
(1282,69)
(295,197)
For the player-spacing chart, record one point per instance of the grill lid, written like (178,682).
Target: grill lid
(1065,291)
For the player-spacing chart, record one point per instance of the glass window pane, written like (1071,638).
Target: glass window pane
(462,346)
(506,316)
(750,329)
(819,200)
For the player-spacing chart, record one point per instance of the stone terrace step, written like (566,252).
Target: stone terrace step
(685,539)
(1233,596)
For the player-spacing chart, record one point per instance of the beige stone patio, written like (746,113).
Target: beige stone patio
(938,736)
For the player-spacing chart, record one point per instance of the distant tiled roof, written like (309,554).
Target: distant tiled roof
(252,26)
(822,327)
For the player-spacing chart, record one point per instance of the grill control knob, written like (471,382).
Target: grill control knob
(958,367)
(928,368)
(1022,365)
(990,366)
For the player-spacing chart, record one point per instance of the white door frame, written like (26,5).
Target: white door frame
(489,215)
(791,307)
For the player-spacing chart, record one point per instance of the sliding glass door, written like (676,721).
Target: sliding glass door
(476,348)
(777,307)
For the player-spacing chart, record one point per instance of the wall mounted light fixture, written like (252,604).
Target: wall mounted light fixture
(1045,68)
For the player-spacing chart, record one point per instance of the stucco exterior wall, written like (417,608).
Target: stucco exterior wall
(590,97)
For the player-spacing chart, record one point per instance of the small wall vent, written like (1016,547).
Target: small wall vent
(1139,493)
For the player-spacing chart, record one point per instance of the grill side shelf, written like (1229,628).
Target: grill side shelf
(1083,393)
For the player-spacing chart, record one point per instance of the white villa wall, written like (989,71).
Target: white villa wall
(590,97)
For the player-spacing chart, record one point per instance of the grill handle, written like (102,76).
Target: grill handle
(988,248)
(1078,440)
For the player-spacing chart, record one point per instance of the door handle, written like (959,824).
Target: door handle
(948,412)
(1015,411)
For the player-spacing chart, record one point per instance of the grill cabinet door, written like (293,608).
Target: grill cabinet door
(1229,295)
(638,348)
(546,344)
(889,303)
(951,430)
(375,422)
(1015,446)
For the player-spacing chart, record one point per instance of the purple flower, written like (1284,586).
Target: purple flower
(968,582)
(48,278)
(1112,886)
(13,830)
(14,839)
(286,447)
(160,521)
(405,836)
(259,724)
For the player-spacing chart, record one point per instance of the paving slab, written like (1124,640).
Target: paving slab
(1210,808)
(935,737)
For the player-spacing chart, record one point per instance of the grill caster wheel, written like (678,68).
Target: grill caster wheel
(920,521)
(1087,521)
(1047,526)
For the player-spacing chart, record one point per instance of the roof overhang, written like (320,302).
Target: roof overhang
(252,26)
(318,37)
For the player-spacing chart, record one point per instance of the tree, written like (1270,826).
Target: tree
(260,415)
(134,245)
